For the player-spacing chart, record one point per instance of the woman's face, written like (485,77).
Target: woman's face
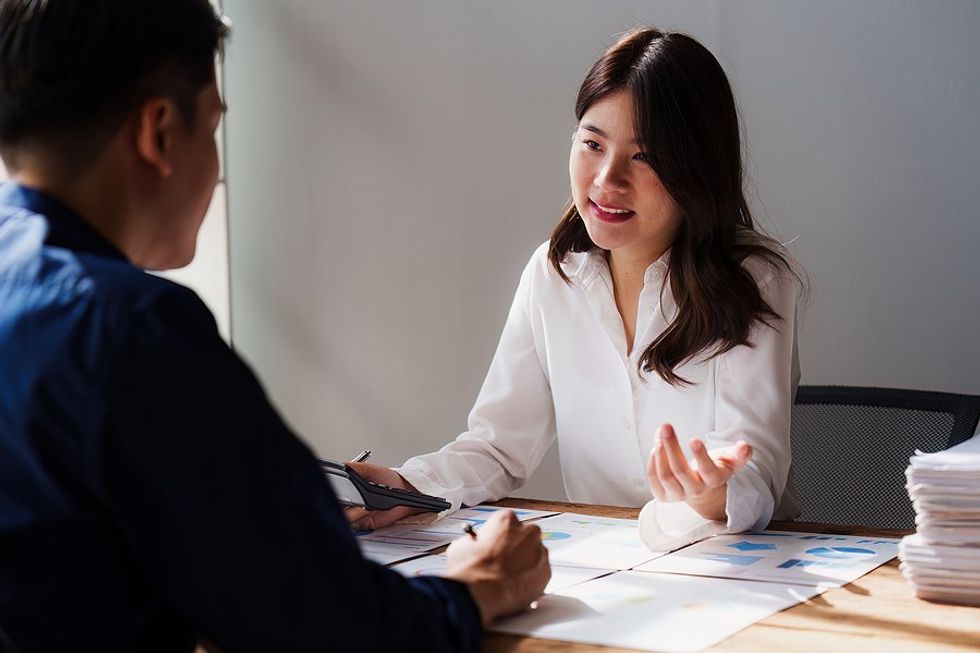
(625,208)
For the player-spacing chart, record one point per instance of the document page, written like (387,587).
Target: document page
(654,612)
(785,557)
(585,541)
(561,577)
(414,537)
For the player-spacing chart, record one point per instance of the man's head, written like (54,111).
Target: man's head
(118,96)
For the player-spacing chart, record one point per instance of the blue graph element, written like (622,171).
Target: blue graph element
(752,546)
(733,558)
(554,535)
(840,552)
(875,542)
(823,564)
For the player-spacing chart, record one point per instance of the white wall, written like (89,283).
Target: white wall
(392,165)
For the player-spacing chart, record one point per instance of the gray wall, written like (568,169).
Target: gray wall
(392,165)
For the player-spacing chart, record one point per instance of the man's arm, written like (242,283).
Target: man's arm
(229,516)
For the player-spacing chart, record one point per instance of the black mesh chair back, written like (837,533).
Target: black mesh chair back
(851,447)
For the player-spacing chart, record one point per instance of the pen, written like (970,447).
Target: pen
(361,457)
(468,529)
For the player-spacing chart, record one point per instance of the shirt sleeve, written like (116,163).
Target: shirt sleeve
(228,516)
(755,387)
(511,425)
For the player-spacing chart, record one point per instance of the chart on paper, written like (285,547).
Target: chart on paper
(654,612)
(415,537)
(585,541)
(803,558)
(561,577)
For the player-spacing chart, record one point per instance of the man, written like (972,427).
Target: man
(150,496)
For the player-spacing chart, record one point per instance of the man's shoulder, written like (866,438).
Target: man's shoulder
(144,305)
(113,286)
(31,265)
(132,290)
(68,295)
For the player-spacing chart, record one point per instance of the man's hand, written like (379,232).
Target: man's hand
(505,565)
(702,482)
(365,520)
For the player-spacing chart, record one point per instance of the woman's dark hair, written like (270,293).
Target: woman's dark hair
(688,125)
(72,70)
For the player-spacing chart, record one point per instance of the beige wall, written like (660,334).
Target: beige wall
(392,166)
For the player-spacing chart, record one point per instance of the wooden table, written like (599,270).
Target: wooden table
(877,613)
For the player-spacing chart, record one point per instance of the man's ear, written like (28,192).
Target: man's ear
(156,120)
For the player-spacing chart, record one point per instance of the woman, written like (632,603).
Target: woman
(654,335)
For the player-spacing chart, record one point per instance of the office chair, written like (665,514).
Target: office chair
(851,447)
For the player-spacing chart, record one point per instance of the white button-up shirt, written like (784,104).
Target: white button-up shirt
(562,371)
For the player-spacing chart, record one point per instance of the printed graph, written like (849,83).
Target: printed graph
(810,558)
(753,546)
(551,536)
(732,558)
(842,552)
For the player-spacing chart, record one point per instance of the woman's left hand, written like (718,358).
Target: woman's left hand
(701,482)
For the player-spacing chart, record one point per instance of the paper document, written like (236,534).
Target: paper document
(964,457)
(780,556)
(561,577)
(408,540)
(654,612)
(586,541)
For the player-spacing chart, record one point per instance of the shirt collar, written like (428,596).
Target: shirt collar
(584,267)
(66,228)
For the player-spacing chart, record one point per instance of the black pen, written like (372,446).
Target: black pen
(468,529)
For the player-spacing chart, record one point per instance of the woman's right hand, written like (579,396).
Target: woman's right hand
(366,520)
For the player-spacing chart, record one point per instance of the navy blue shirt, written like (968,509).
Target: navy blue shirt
(150,495)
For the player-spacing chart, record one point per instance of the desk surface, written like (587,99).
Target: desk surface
(876,613)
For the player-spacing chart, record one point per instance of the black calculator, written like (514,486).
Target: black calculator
(352,489)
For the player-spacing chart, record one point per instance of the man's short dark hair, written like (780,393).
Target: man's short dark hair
(72,70)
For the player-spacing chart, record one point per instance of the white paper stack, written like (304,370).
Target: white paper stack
(942,559)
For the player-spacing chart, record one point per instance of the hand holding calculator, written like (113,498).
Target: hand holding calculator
(352,489)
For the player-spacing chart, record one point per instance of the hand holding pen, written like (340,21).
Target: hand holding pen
(506,567)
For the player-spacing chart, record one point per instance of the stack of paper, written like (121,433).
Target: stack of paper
(942,560)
